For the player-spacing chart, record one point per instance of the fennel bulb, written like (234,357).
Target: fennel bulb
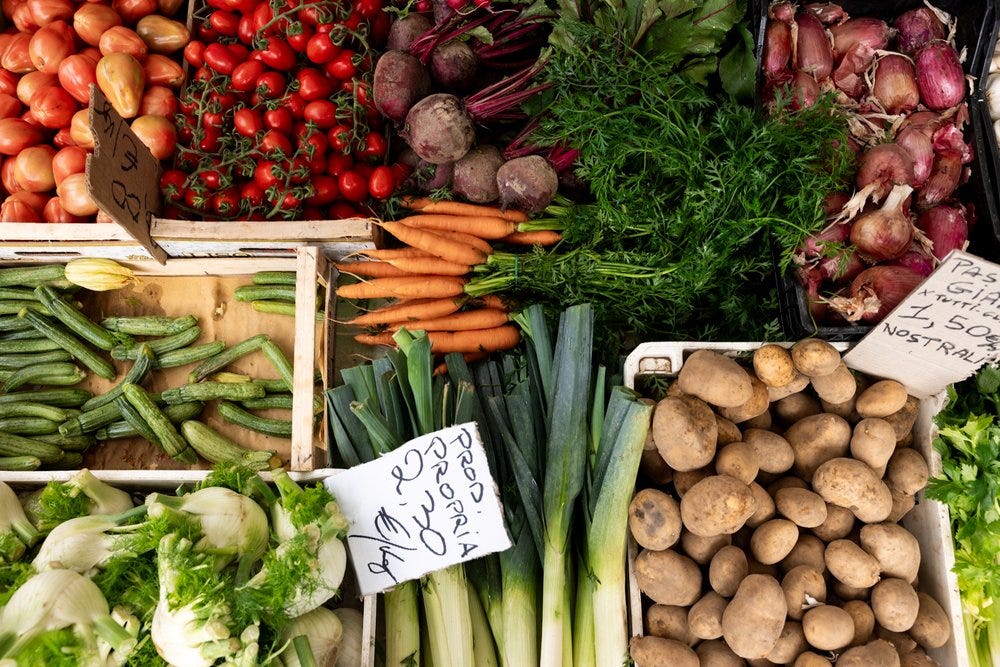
(351,644)
(80,495)
(16,532)
(325,633)
(87,543)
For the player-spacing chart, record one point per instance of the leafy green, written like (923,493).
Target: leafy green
(12,575)
(738,68)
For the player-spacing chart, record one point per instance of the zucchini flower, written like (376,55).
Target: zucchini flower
(16,532)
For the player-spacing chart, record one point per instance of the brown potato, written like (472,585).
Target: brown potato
(773,365)
(903,419)
(753,620)
(685,432)
(717,505)
(902,503)
(669,622)
(902,642)
(854,485)
(932,627)
(809,550)
(702,549)
(917,658)
(772,541)
(705,616)
(715,379)
(881,399)
(774,454)
(756,567)
(895,604)
(654,468)
(798,383)
(668,577)
(728,568)
(894,547)
(659,652)
(844,409)
(810,659)
(905,441)
(764,506)
(851,564)
(878,652)
(803,586)
(873,442)
(847,593)
(863,618)
(685,479)
(786,482)
(813,356)
(838,524)
(805,508)
(817,439)
(791,642)
(728,432)
(837,387)
(737,459)
(654,519)
(764,420)
(757,404)
(715,653)
(907,471)
(828,628)
(791,409)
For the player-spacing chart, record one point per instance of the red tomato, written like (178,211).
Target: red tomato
(271,85)
(300,39)
(29,85)
(23,20)
(368,9)
(210,178)
(325,190)
(342,66)
(172,184)
(224,23)
(63,138)
(275,142)
(10,106)
(341,210)
(294,102)
(313,85)
(379,31)
(264,175)
(338,163)
(279,119)
(51,45)
(290,201)
(194,53)
(133,10)
(74,197)
(91,53)
(339,138)
(69,160)
(212,141)
(91,20)
(45,12)
(323,113)
(79,128)
(252,193)
(158,134)
(246,75)
(353,186)
(321,48)
(381,183)
(162,71)
(15,210)
(375,145)
(35,200)
(158,101)
(262,15)
(245,30)
(278,55)
(33,169)
(76,73)
(53,107)
(17,134)
(120,39)
(7,176)
(220,58)
(8,81)
(227,202)
(248,122)
(54,212)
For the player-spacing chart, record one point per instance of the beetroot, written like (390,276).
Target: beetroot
(527,183)
(399,81)
(438,129)
(454,66)
(475,176)
(407,30)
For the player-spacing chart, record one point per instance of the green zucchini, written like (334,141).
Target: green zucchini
(16,445)
(158,346)
(74,320)
(56,373)
(27,334)
(281,428)
(274,278)
(265,293)
(13,323)
(226,357)
(13,307)
(91,420)
(32,275)
(68,443)
(61,398)
(175,413)
(29,409)
(18,293)
(217,448)
(71,344)
(280,363)
(282,308)
(169,439)
(135,420)
(69,461)
(140,369)
(208,391)
(27,346)
(16,361)
(28,426)
(150,325)
(271,402)
(278,386)
(20,463)
(189,355)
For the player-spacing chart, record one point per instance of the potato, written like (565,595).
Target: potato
(685,479)
(894,547)
(685,432)
(851,564)
(817,439)
(815,357)
(773,365)
(902,503)
(659,652)
(772,541)
(774,454)
(932,627)
(669,622)
(903,419)
(878,652)
(905,441)
(715,379)
(802,586)
(873,442)
(654,519)
(810,659)
(715,653)
(753,620)
(791,642)
(917,658)
(809,550)
(854,485)
(654,468)
(844,409)
(798,383)
(837,525)
(754,566)
(787,482)
(717,505)
(901,641)
(881,399)
(907,471)
(728,432)
(705,616)
(737,459)
(764,506)
(792,408)
(764,420)
(668,577)
(837,387)
(805,508)
(863,618)
(728,568)
(757,404)
(895,604)
(702,549)
(847,593)
(828,628)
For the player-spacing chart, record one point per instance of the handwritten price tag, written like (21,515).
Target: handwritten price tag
(941,333)
(429,504)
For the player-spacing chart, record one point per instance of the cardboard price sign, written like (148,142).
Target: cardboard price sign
(123,177)
(941,333)
(429,504)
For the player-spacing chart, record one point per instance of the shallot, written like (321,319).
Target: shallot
(916,259)
(944,178)
(777,48)
(873,33)
(826,12)
(895,86)
(884,166)
(947,228)
(939,75)
(919,147)
(813,54)
(917,27)
(885,233)
(875,292)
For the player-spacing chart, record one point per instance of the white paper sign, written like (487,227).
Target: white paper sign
(429,504)
(941,333)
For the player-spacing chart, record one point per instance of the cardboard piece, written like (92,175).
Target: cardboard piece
(122,175)
(941,333)
(427,505)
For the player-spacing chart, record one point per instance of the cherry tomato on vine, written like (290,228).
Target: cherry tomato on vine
(172,184)
(342,210)
(321,48)
(295,103)
(264,175)
(212,141)
(279,119)
(313,85)
(226,202)
(245,30)
(323,113)
(245,76)
(210,178)
(338,164)
(339,138)
(353,186)
(368,9)
(290,201)
(248,122)
(278,55)
(252,193)
(194,53)
(375,145)
(225,23)
(300,39)
(271,85)
(274,141)
(220,58)
(381,183)
(342,66)
(326,190)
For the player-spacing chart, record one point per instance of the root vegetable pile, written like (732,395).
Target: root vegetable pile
(772,527)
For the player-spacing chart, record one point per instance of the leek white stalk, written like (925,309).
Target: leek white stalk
(16,532)
(402,626)
(446,608)
(519,568)
(483,647)
(325,633)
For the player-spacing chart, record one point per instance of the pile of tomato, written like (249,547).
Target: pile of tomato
(277,120)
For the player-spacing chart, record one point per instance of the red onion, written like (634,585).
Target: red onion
(875,292)
(847,76)
(939,76)
(885,233)
(918,145)
(826,12)
(777,48)
(895,85)
(837,232)
(916,259)
(782,11)
(811,280)
(946,227)
(842,268)
(813,54)
(884,165)
(805,90)
(949,138)
(873,33)
(834,202)
(943,180)
(917,27)
(925,121)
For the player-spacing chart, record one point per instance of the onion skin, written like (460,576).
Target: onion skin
(943,180)
(887,165)
(847,76)
(782,11)
(916,259)
(946,226)
(834,202)
(873,33)
(939,76)
(813,53)
(895,85)
(876,291)
(837,233)
(919,146)
(885,233)
(826,12)
(917,27)
(777,48)
(843,268)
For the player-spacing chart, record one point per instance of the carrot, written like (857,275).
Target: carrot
(404,287)
(410,310)
(543,237)
(394,253)
(425,205)
(470,358)
(372,269)
(468,320)
(434,266)
(481,226)
(442,342)
(469,239)
(439,246)
(494,302)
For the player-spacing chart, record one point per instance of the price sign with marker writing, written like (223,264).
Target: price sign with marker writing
(429,504)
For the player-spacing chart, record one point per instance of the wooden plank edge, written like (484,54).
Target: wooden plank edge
(307,265)
(292,230)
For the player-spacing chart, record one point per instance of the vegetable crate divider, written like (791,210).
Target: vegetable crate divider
(167,481)
(928,520)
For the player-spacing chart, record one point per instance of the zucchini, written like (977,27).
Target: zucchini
(282,308)
(71,344)
(226,357)
(16,361)
(140,369)
(29,426)
(27,346)
(279,387)
(208,391)
(74,320)
(69,461)
(135,420)
(158,346)
(30,409)
(150,325)
(32,275)
(281,428)
(68,443)
(27,334)
(20,463)
(175,413)
(217,448)
(280,363)
(225,376)
(18,293)
(91,420)
(13,323)
(13,307)
(56,373)
(189,355)
(16,445)
(272,402)
(169,439)
(265,293)
(60,398)
(274,278)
